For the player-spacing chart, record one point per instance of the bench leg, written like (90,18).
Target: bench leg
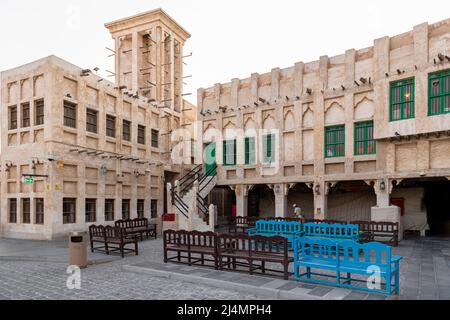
(397,282)
(349,278)
(250,263)
(92,246)
(107,248)
(286,271)
(220,264)
(308,273)
(179,256)
(263,266)
(234,264)
(136,249)
(165,256)
(189,259)
(122,252)
(203,259)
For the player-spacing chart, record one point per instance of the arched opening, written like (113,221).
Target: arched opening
(351,201)
(302,196)
(261,202)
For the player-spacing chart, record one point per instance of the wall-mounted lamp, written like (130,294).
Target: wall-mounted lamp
(382,185)
(317,189)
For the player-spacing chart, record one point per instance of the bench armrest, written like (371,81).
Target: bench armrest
(396,259)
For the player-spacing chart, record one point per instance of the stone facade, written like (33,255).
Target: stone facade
(91,143)
(303,100)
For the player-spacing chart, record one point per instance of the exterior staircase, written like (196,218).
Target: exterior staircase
(189,199)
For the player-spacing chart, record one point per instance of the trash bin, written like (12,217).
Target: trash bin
(78,249)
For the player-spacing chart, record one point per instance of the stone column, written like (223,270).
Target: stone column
(281,200)
(320,200)
(384,212)
(169,198)
(242,200)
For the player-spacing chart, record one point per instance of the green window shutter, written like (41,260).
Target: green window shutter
(402,96)
(439,93)
(229,153)
(269,148)
(249,150)
(364,139)
(335,141)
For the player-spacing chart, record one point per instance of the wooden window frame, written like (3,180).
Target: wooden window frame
(91,125)
(39,209)
(26,210)
(90,211)
(336,147)
(365,143)
(69,217)
(69,119)
(140,208)
(12,121)
(227,154)
(12,210)
(126,214)
(126,134)
(443,96)
(39,111)
(141,134)
(402,103)
(110,129)
(154,208)
(26,115)
(250,151)
(268,148)
(155,138)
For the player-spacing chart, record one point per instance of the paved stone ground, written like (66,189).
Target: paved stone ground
(37,270)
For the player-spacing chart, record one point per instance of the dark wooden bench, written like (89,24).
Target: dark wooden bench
(112,240)
(385,232)
(139,227)
(190,248)
(240,225)
(253,252)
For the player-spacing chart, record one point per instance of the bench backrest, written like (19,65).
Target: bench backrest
(278,227)
(337,231)
(368,254)
(253,244)
(180,238)
(114,232)
(96,231)
(202,239)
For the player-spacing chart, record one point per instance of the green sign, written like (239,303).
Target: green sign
(28,180)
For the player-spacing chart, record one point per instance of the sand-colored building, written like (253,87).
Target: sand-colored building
(77,149)
(360,136)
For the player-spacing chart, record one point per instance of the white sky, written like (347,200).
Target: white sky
(230,38)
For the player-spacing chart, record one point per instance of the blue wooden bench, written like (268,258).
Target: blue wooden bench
(268,228)
(372,262)
(336,232)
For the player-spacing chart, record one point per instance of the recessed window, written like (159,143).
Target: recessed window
(91,210)
(91,120)
(229,153)
(70,114)
(335,141)
(125,209)
(109,210)
(249,149)
(25,115)
(155,138)
(12,210)
(364,142)
(402,100)
(12,115)
(26,211)
(140,208)
(141,135)
(269,148)
(110,126)
(154,208)
(39,210)
(39,112)
(69,210)
(126,130)
(439,93)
